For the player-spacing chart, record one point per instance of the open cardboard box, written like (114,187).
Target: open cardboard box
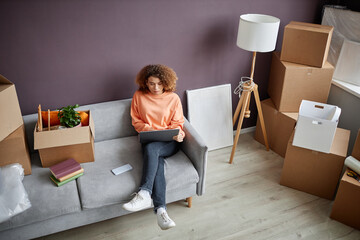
(10,113)
(346,207)
(56,145)
(306,43)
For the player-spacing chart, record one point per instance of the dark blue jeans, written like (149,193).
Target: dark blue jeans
(153,178)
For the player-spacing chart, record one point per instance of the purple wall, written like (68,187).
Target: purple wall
(87,51)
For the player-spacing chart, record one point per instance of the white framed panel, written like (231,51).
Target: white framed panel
(348,65)
(210,112)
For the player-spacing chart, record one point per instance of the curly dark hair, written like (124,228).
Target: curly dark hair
(166,75)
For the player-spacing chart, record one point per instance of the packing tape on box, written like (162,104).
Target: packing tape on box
(353,163)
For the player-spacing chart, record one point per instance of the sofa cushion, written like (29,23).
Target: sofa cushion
(100,187)
(47,200)
(179,172)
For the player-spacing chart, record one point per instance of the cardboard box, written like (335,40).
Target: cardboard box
(315,172)
(290,83)
(14,149)
(58,145)
(356,149)
(306,43)
(279,127)
(316,126)
(346,207)
(10,114)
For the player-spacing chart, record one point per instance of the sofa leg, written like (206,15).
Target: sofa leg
(189,201)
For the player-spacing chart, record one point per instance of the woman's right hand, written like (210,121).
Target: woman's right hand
(179,137)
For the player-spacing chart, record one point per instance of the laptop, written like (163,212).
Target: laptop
(158,135)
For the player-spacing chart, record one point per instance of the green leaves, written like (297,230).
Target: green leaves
(68,116)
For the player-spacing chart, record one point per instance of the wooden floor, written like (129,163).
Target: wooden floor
(241,201)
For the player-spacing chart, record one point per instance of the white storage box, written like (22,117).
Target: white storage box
(316,126)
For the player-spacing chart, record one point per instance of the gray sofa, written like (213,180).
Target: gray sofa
(98,194)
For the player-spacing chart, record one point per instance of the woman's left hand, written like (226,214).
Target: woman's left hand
(179,137)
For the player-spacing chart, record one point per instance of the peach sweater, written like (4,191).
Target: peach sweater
(156,112)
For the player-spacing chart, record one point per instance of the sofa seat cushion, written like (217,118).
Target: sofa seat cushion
(99,187)
(47,200)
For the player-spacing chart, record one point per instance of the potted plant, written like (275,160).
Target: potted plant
(69,117)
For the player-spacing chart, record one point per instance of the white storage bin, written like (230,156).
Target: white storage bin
(316,126)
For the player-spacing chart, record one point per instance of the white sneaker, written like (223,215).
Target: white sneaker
(164,221)
(138,203)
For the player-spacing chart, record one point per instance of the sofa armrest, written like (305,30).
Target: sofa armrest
(196,150)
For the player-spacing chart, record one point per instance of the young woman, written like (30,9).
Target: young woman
(155,106)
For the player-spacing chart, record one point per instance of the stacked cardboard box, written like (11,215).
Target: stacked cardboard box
(306,43)
(346,208)
(279,126)
(301,72)
(293,78)
(290,83)
(304,169)
(315,172)
(13,145)
(356,149)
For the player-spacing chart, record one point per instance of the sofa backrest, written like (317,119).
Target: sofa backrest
(112,120)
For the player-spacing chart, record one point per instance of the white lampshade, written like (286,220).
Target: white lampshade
(257,32)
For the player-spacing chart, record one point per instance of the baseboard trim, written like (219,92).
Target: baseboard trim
(246,130)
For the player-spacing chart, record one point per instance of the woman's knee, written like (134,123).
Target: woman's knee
(150,149)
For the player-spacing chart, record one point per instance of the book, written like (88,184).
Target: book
(64,168)
(58,183)
(70,175)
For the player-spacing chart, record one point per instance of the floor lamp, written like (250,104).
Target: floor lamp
(257,33)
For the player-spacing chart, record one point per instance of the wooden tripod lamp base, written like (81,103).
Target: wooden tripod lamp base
(243,105)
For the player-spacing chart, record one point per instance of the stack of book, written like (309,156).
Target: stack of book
(65,172)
